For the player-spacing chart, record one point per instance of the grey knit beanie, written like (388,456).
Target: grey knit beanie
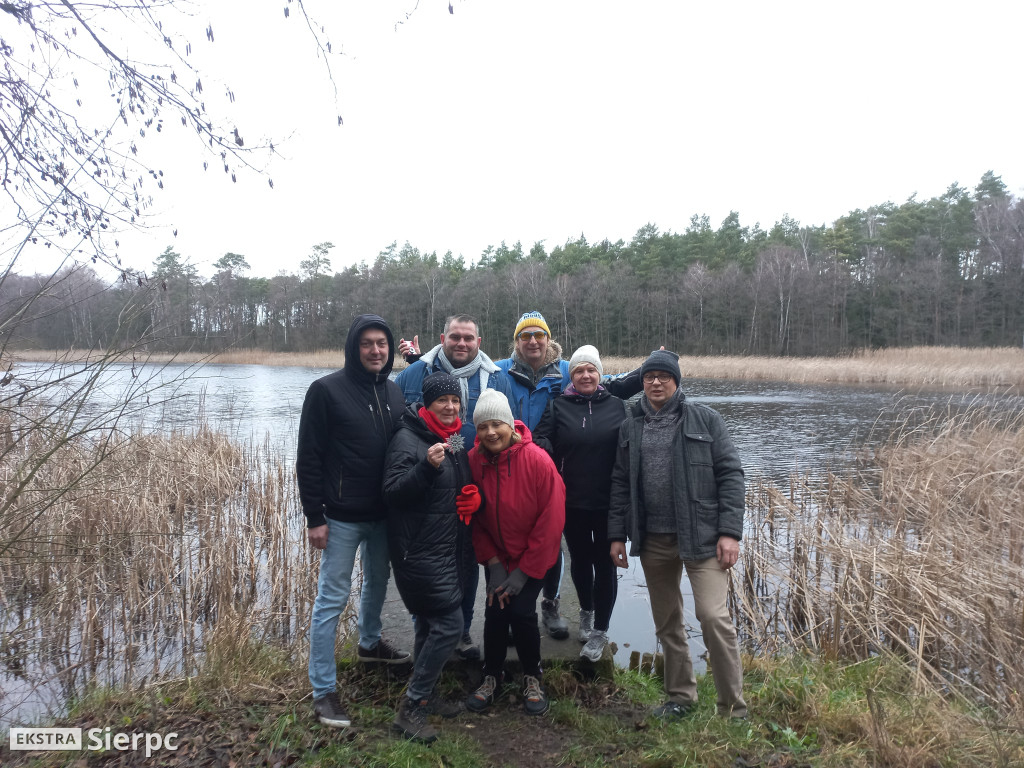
(492,406)
(586,354)
(662,360)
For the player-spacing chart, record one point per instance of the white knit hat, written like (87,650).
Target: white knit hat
(492,406)
(586,354)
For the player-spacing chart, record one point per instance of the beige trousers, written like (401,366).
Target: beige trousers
(710,584)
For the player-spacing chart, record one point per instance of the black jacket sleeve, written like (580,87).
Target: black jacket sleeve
(544,434)
(312,452)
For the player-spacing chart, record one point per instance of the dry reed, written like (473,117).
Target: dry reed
(131,570)
(921,555)
(953,367)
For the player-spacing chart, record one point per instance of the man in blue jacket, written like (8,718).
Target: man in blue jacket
(348,418)
(539,374)
(459,355)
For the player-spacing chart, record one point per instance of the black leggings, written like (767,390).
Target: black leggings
(593,573)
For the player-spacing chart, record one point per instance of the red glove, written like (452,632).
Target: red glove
(467,502)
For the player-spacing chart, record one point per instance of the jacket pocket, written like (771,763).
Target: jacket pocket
(707,523)
(698,448)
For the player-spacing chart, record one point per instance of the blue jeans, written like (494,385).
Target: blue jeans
(437,635)
(333,588)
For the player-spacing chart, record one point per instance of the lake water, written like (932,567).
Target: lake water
(779,428)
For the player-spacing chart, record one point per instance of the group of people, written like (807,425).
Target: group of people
(463,461)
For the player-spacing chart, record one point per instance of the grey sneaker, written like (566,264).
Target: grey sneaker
(672,710)
(535,701)
(383,653)
(594,649)
(411,721)
(328,710)
(483,697)
(467,650)
(556,626)
(586,625)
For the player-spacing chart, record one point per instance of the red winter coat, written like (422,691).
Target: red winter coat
(523,514)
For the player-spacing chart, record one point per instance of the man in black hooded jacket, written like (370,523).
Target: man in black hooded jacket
(348,418)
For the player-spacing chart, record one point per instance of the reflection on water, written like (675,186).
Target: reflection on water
(780,429)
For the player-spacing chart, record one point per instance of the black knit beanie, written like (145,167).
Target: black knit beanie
(440,383)
(662,360)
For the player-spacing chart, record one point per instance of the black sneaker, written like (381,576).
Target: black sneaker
(483,697)
(672,710)
(556,626)
(328,710)
(411,721)
(466,649)
(383,653)
(535,702)
(439,706)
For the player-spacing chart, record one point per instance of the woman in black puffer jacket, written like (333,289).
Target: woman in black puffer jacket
(580,430)
(425,472)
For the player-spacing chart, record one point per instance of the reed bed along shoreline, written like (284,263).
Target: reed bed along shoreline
(939,367)
(131,570)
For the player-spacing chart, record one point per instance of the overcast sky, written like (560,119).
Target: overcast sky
(543,120)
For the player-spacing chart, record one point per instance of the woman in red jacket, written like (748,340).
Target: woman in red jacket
(516,534)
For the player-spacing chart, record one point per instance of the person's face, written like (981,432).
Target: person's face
(461,343)
(494,435)
(585,378)
(532,345)
(373,349)
(446,408)
(659,386)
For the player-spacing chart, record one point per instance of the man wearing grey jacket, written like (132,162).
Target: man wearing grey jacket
(678,496)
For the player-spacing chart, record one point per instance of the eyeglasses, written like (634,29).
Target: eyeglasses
(664,378)
(527,335)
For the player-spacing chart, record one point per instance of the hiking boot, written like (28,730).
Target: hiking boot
(535,702)
(594,649)
(556,626)
(383,653)
(586,625)
(328,710)
(442,707)
(411,721)
(672,710)
(483,697)
(466,649)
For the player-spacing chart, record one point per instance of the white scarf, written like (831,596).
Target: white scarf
(481,364)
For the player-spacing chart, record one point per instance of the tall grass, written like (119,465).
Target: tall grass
(130,573)
(921,554)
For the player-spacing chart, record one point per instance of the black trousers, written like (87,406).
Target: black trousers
(591,567)
(521,616)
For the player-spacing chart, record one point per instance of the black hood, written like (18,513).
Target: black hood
(352,362)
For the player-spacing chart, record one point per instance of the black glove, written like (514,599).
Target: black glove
(496,574)
(514,584)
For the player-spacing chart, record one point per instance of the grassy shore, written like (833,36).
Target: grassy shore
(247,707)
(952,367)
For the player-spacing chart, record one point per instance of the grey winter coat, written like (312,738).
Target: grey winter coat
(711,502)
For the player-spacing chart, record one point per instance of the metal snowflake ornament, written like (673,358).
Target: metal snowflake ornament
(455,443)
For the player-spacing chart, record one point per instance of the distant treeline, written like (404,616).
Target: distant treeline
(946,271)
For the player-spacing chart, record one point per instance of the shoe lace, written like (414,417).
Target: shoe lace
(533,691)
(487,687)
(385,649)
(334,702)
